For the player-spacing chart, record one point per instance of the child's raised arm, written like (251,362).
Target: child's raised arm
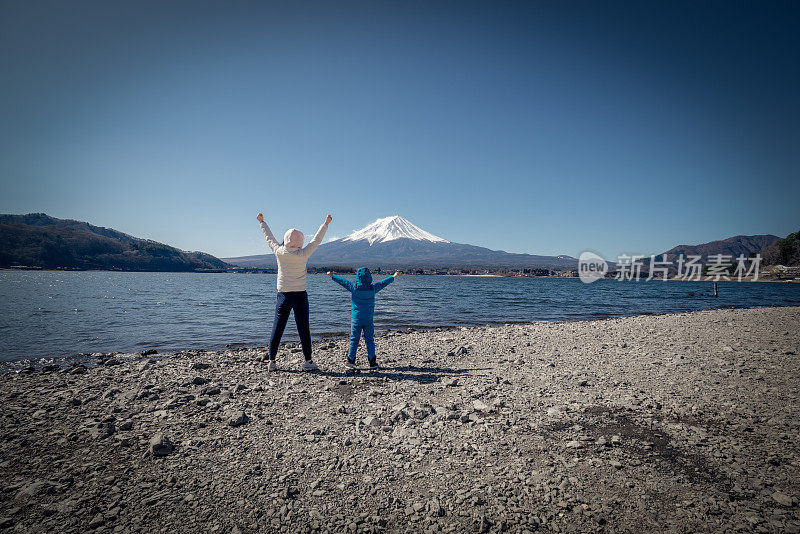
(377,286)
(345,283)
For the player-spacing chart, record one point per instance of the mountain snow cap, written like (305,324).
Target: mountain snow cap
(391,228)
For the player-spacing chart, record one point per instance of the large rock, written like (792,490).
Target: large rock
(483,526)
(480,406)
(371,421)
(237,418)
(160,445)
(101,430)
(434,508)
(96,521)
(35,488)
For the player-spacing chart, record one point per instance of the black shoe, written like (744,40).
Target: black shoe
(373,365)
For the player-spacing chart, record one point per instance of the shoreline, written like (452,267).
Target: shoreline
(319,339)
(257,270)
(677,422)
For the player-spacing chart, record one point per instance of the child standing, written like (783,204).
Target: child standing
(362,310)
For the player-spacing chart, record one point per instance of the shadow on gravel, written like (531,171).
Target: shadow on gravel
(423,375)
(644,441)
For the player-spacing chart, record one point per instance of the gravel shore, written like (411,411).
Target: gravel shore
(685,422)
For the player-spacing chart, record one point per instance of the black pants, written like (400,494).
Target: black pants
(286,302)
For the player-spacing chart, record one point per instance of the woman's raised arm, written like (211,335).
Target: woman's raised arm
(271,241)
(315,242)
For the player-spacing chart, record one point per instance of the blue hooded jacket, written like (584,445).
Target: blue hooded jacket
(362,293)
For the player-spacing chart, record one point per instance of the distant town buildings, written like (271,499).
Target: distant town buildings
(508,272)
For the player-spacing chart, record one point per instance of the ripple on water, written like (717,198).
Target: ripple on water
(103,312)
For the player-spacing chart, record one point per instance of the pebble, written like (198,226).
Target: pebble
(782,498)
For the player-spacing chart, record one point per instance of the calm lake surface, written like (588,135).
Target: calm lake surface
(55,314)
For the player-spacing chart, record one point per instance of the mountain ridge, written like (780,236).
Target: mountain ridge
(733,246)
(40,241)
(784,251)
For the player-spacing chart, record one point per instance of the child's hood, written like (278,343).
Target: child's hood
(363,279)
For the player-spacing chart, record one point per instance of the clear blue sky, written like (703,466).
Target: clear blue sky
(539,127)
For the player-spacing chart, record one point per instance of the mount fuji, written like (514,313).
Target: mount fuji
(395,242)
(391,228)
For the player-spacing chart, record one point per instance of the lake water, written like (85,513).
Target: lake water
(54,314)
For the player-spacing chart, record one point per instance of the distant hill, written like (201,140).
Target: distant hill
(395,242)
(733,246)
(784,251)
(38,240)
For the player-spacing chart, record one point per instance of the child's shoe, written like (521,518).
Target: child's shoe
(350,365)
(272,366)
(373,365)
(310,366)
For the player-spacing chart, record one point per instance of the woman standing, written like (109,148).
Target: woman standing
(292,258)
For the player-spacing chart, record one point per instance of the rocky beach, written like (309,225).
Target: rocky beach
(684,422)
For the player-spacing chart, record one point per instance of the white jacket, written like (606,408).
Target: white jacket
(292,260)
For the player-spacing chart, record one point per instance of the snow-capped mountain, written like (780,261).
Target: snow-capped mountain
(391,228)
(395,242)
